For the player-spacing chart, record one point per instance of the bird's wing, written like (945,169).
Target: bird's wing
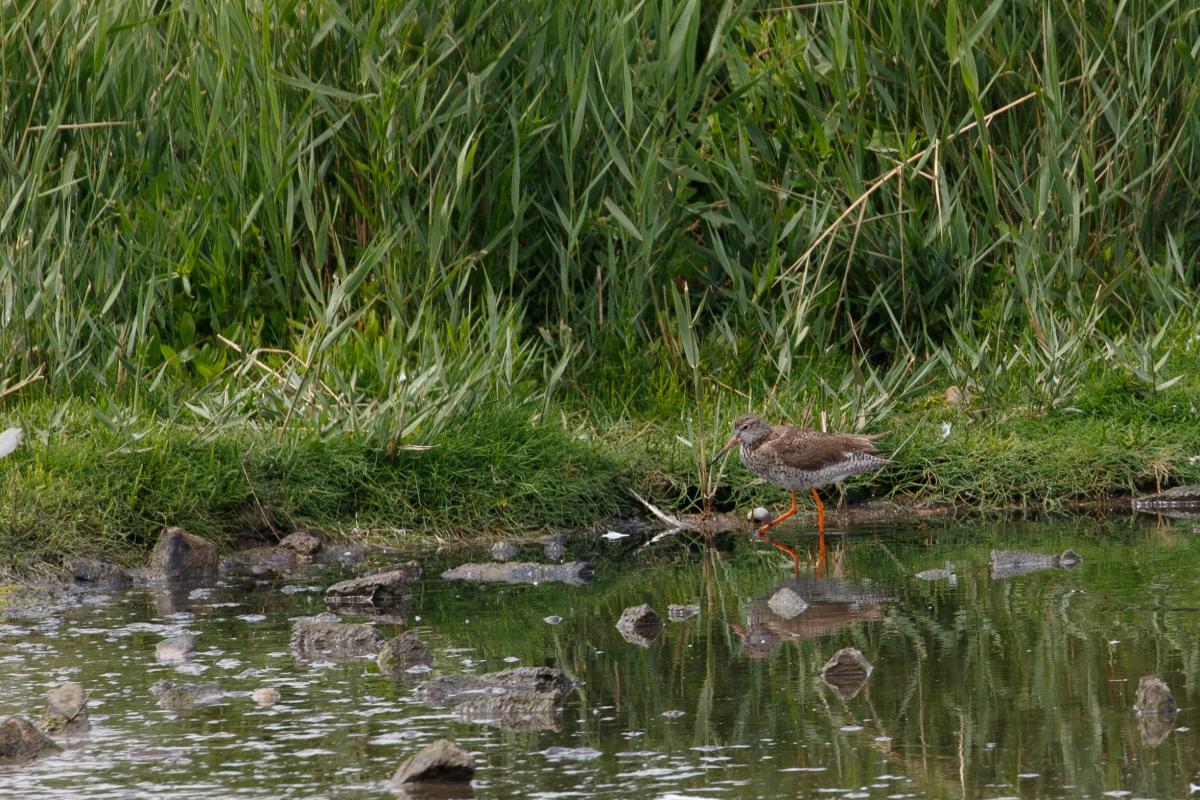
(811,450)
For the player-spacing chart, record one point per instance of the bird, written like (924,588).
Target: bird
(796,459)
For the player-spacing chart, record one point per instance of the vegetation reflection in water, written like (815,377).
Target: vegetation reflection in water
(982,687)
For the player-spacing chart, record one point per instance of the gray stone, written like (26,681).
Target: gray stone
(1154,696)
(176,648)
(313,639)
(640,625)
(847,672)
(66,709)
(386,589)
(1012,563)
(555,551)
(759,514)
(576,573)
(263,562)
(680,613)
(302,542)
(935,575)
(448,690)
(514,711)
(267,695)
(504,551)
(1177,497)
(403,652)
(180,556)
(641,617)
(557,753)
(441,762)
(177,697)
(786,603)
(20,741)
(93,571)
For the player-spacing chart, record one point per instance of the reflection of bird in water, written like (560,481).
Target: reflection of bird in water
(832,604)
(801,458)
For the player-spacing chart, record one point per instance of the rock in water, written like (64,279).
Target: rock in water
(66,709)
(455,689)
(847,672)
(1154,696)
(403,652)
(312,639)
(182,697)
(21,741)
(576,573)
(680,613)
(504,551)
(1069,558)
(380,589)
(514,711)
(176,648)
(268,695)
(441,762)
(935,575)
(93,571)
(1011,563)
(787,604)
(640,625)
(302,542)
(180,556)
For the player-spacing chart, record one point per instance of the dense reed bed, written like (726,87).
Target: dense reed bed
(363,221)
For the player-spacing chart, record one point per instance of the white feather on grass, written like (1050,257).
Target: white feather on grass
(9,441)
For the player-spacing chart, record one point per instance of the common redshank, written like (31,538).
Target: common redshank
(801,458)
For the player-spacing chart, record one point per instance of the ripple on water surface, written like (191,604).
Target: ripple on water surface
(984,687)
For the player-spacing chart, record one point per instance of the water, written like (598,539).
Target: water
(981,688)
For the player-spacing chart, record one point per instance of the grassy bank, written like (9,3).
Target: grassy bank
(244,250)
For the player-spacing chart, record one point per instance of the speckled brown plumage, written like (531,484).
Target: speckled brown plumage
(802,458)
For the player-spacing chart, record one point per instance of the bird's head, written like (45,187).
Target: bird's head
(749,429)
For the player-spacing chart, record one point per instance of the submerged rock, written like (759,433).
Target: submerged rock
(263,561)
(1156,709)
(441,762)
(176,648)
(66,710)
(20,741)
(182,697)
(385,589)
(556,753)
(934,575)
(313,638)
(180,556)
(95,572)
(449,690)
(302,542)
(1011,563)
(504,551)
(680,613)
(1154,696)
(402,653)
(266,696)
(576,573)
(640,625)
(514,711)
(847,672)
(787,603)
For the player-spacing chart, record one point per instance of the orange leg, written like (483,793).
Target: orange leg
(791,511)
(820,523)
(791,551)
